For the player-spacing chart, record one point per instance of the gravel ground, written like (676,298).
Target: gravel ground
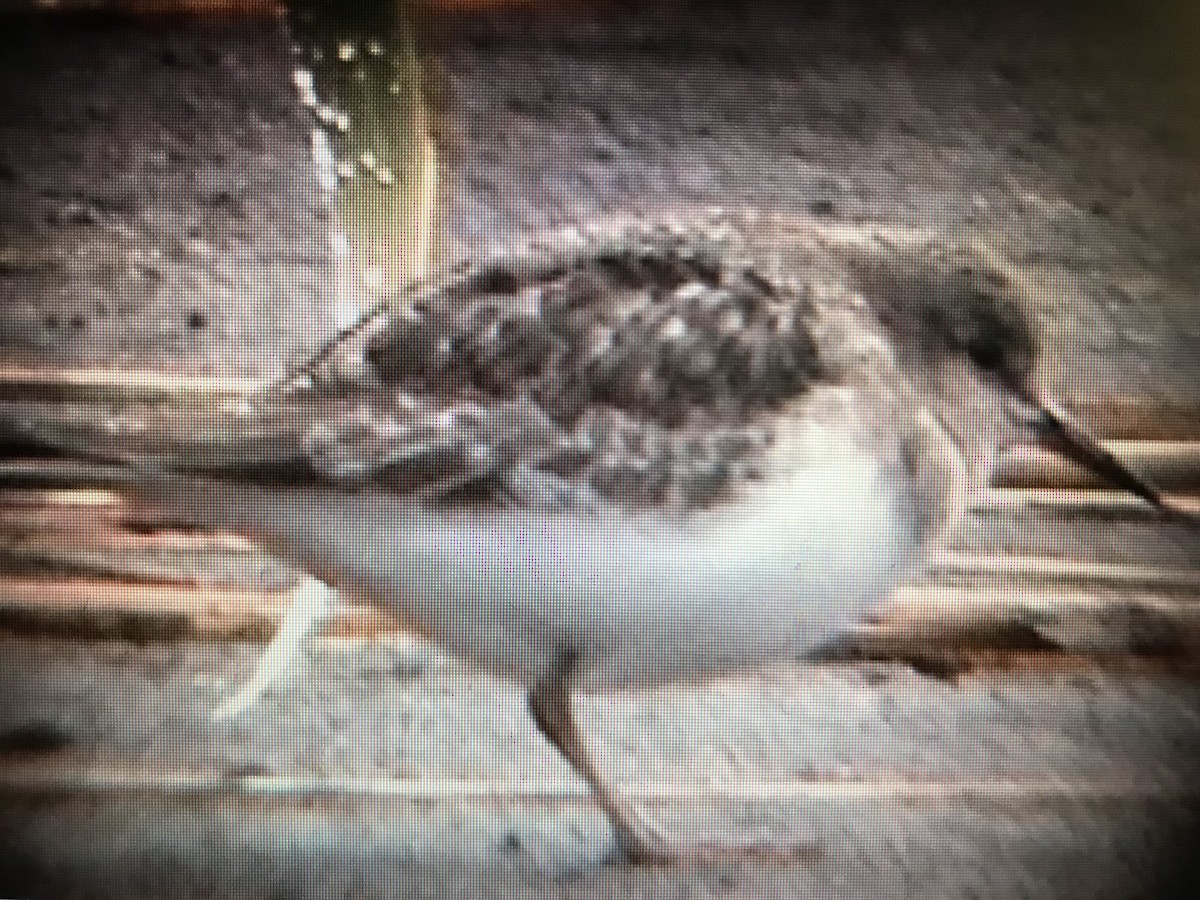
(158,203)
(389,770)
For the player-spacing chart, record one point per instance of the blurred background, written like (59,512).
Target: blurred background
(195,194)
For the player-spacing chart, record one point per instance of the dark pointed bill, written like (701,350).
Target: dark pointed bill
(1058,431)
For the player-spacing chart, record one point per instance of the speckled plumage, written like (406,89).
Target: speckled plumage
(641,366)
(628,364)
(631,453)
(637,365)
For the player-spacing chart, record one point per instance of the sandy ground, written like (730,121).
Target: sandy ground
(390,771)
(158,202)
(189,227)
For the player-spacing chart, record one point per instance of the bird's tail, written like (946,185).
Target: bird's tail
(44,445)
(169,458)
(157,453)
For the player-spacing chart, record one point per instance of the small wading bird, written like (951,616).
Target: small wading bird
(631,454)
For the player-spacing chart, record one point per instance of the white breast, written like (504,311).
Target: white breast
(640,598)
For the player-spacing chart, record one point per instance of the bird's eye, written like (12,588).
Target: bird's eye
(986,352)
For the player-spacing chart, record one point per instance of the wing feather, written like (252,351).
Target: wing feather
(639,359)
(630,363)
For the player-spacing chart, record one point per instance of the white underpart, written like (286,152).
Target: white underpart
(639,598)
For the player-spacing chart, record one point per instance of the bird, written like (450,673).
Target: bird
(629,452)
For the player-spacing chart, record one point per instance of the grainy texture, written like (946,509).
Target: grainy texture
(625,364)
(1067,139)
(158,203)
(389,768)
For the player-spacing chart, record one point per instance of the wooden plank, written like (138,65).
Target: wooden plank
(94,583)
(1080,502)
(24,778)
(94,609)
(116,385)
(1139,621)
(215,587)
(206,560)
(1135,418)
(1171,465)
(56,504)
(1029,572)
(1070,619)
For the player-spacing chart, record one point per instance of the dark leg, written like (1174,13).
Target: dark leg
(550,705)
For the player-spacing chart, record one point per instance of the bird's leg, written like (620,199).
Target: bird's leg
(550,705)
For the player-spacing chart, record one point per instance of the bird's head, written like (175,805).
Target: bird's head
(963,336)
